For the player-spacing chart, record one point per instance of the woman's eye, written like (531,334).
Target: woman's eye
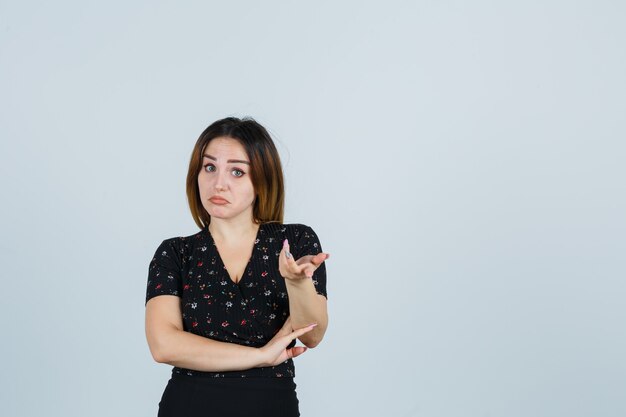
(236,172)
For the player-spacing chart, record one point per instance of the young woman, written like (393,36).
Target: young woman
(225,306)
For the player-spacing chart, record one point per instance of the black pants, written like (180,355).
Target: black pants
(193,396)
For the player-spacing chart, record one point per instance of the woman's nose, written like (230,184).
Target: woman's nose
(221,181)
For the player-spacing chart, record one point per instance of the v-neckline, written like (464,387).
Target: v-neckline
(248,264)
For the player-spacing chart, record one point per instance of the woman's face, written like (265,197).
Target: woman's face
(225,173)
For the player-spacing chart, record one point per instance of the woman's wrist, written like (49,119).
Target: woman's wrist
(298,283)
(260,358)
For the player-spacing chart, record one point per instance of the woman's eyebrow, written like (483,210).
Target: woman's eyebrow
(206,155)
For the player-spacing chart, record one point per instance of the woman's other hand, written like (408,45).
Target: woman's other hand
(275,351)
(302,268)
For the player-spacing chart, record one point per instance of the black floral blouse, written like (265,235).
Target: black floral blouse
(248,313)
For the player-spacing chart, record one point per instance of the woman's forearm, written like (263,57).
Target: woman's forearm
(306,306)
(190,351)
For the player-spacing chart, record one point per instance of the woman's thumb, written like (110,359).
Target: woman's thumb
(296,351)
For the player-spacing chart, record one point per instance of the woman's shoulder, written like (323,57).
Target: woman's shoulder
(181,244)
(183,239)
(286,229)
(299,235)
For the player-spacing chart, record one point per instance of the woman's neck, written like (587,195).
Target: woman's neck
(231,231)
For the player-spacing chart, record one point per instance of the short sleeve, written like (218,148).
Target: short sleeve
(164,271)
(309,244)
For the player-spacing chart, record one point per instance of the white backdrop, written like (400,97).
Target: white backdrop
(462,162)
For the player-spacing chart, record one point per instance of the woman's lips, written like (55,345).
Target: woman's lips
(217,200)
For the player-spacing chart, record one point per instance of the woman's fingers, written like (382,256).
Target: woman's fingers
(286,249)
(276,350)
(292,335)
(306,265)
(296,351)
(300,268)
(289,264)
(303,330)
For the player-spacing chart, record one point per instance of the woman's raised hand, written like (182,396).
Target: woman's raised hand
(276,352)
(300,269)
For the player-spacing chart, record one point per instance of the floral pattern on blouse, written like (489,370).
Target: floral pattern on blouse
(249,312)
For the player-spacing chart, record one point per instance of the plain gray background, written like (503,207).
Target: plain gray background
(462,162)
